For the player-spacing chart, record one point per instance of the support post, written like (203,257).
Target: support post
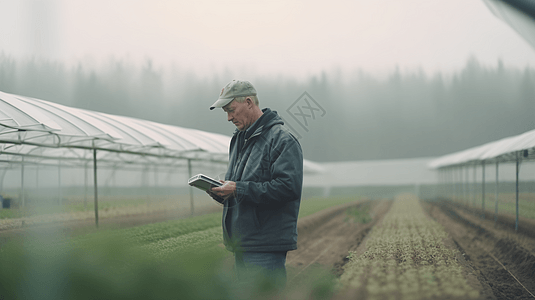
(450,175)
(85,184)
(36,192)
(37,178)
(483,189)
(454,175)
(474,186)
(22,200)
(442,190)
(2,176)
(190,189)
(467,197)
(516,198)
(445,183)
(95,184)
(59,183)
(496,196)
(462,183)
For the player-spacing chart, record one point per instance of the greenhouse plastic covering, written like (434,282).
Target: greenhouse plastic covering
(505,150)
(43,132)
(47,129)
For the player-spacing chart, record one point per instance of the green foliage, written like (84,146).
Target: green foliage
(151,233)
(12,213)
(506,203)
(108,268)
(359,214)
(315,204)
(406,258)
(177,259)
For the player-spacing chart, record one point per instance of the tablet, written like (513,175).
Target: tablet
(203,182)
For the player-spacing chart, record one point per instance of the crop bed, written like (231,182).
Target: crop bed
(406,257)
(428,250)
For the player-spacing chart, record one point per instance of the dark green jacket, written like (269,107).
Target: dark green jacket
(266,162)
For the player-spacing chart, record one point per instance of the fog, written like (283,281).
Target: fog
(337,116)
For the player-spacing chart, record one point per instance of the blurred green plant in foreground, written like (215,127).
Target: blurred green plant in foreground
(45,265)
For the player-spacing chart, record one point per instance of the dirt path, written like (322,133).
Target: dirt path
(495,252)
(326,238)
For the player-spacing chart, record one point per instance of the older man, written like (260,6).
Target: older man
(262,190)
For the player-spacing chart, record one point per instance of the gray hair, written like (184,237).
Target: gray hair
(242,99)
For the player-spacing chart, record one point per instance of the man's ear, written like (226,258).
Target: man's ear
(249,101)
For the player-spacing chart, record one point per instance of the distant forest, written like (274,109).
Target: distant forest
(356,116)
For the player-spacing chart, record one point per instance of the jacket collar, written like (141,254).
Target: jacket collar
(268,119)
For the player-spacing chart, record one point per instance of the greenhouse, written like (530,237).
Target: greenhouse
(47,148)
(454,172)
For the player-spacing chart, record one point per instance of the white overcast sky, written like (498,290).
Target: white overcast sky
(290,37)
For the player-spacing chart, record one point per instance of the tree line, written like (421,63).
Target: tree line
(342,115)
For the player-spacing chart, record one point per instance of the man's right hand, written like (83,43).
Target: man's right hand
(216,197)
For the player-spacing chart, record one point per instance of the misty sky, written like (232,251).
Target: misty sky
(291,37)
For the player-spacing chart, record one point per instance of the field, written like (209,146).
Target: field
(348,248)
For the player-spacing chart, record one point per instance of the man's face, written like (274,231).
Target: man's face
(239,114)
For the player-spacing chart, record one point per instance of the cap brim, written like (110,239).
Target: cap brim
(221,102)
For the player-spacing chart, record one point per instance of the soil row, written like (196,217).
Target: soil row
(503,259)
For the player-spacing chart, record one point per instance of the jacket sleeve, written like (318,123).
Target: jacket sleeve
(286,176)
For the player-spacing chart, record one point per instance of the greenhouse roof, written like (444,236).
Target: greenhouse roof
(504,150)
(44,132)
(46,126)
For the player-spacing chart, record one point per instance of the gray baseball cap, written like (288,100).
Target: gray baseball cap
(235,88)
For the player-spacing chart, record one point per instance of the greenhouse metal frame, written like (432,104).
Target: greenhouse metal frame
(513,149)
(39,132)
(34,131)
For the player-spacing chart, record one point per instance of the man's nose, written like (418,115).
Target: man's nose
(229,117)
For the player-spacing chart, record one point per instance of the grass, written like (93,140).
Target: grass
(165,236)
(359,214)
(506,204)
(75,204)
(108,208)
(167,260)
(313,205)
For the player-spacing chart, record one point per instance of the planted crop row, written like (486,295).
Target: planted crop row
(200,232)
(41,216)
(178,258)
(406,258)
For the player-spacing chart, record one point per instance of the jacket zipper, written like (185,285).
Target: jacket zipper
(240,156)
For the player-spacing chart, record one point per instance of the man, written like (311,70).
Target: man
(262,187)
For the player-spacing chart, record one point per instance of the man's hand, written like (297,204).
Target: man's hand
(223,192)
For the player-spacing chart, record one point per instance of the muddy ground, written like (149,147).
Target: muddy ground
(503,259)
(326,238)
